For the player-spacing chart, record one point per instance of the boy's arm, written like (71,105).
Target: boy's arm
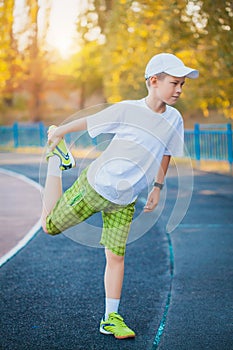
(56,134)
(153,198)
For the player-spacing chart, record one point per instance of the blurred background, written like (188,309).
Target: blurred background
(57,57)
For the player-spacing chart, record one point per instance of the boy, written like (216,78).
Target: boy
(146,133)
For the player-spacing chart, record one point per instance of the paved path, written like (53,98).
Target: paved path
(180,284)
(20,209)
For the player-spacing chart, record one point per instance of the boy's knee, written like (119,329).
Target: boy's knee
(114,258)
(43,224)
(49,228)
(45,228)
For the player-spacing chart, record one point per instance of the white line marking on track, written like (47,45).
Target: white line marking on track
(29,235)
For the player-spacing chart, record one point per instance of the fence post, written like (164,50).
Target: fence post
(94,141)
(197,142)
(42,133)
(68,139)
(229,145)
(16,134)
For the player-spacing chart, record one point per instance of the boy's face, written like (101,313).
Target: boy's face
(168,89)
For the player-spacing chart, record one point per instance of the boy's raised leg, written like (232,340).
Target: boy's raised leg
(59,159)
(52,190)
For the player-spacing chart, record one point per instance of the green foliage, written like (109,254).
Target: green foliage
(9,61)
(215,48)
(199,32)
(116,40)
(23,64)
(86,71)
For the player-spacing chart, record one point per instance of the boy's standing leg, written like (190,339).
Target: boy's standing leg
(113,280)
(113,323)
(116,226)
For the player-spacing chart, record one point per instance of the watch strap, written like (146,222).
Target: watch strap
(157,184)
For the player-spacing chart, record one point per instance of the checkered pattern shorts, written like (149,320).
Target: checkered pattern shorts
(81,201)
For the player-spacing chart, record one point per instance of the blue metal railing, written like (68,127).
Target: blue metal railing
(208,141)
(26,135)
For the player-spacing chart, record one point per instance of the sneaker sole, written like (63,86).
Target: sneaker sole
(102,331)
(124,337)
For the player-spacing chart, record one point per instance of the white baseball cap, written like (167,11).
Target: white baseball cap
(170,64)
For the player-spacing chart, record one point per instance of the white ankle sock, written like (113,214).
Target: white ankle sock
(53,166)
(111,305)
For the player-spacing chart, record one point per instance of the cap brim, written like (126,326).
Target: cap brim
(183,72)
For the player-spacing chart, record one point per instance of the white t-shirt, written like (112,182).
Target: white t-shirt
(132,159)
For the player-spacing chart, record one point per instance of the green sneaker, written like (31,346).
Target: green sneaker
(66,159)
(115,325)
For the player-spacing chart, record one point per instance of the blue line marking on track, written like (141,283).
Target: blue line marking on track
(162,324)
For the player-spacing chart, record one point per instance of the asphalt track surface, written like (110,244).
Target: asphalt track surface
(177,288)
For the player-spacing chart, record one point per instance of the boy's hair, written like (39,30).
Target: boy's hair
(159,76)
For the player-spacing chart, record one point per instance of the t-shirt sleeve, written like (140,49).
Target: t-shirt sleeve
(175,145)
(105,121)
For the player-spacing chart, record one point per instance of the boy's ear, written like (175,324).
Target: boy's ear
(153,80)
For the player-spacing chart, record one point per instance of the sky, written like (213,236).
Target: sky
(62,24)
(62,29)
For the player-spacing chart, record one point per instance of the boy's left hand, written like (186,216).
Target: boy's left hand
(152,200)
(53,137)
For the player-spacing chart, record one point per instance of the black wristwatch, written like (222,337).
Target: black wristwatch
(157,184)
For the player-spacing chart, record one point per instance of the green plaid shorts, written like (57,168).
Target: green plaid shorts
(81,201)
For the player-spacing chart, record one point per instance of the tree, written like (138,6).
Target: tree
(23,61)
(196,31)
(87,72)
(89,64)
(117,38)
(36,61)
(141,30)
(9,59)
(213,24)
